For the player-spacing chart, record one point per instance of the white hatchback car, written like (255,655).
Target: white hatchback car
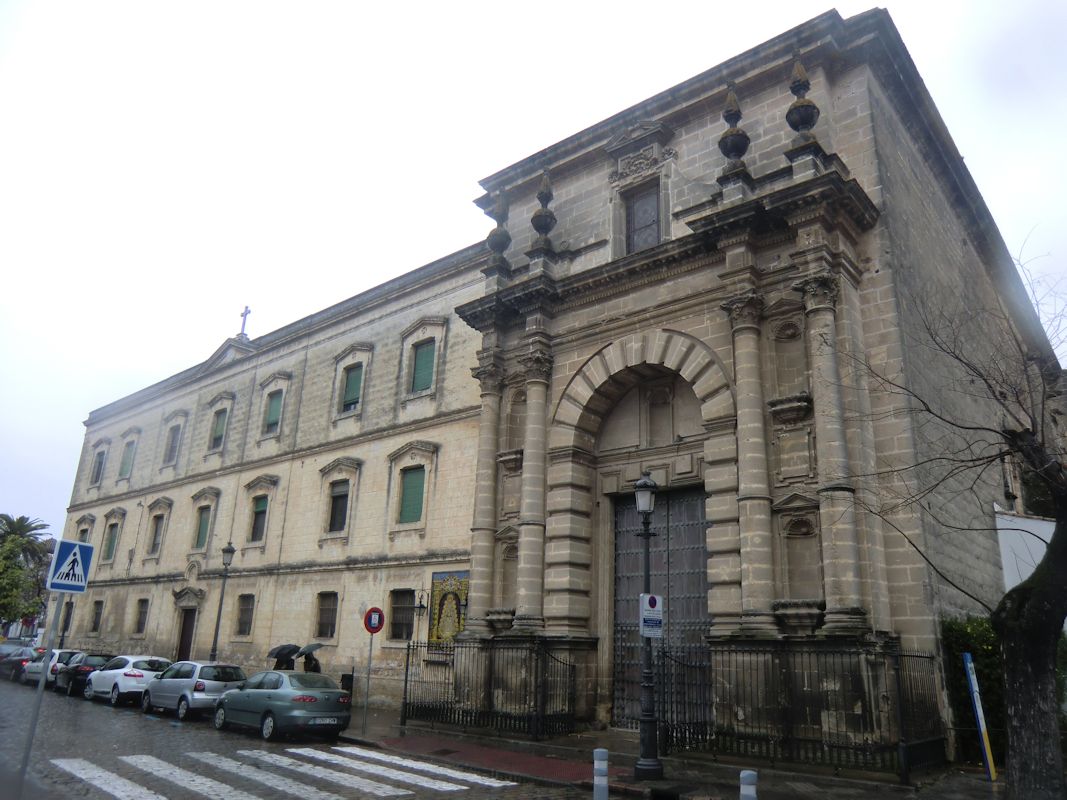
(124,678)
(31,673)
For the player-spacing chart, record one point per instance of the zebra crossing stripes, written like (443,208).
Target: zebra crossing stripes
(274,781)
(186,779)
(378,770)
(343,778)
(116,786)
(423,766)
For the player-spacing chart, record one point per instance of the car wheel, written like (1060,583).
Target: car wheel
(116,698)
(146,703)
(87,690)
(219,719)
(267,729)
(182,712)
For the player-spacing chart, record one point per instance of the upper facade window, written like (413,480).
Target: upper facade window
(411,478)
(260,492)
(129,451)
(113,522)
(339,479)
(351,374)
(85,525)
(338,506)
(259,518)
(205,502)
(272,391)
(96,472)
(353,385)
(157,524)
(412,487)
(422,350)
(174,423)
(642,218)
(218,429)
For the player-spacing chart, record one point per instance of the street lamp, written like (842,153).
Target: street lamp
(420,609)
(227,559)
(648,767)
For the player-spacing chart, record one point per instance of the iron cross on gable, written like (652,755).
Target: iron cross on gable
(244,319)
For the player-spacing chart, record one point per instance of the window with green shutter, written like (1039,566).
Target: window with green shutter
(203,522)
(259,518)
(218,429)
(170,450)
(353,384)
(110,540)
(126,465)
(98,466)
(412,483)
(273,419)
(422,366)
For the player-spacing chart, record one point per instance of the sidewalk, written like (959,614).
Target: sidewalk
(568,760)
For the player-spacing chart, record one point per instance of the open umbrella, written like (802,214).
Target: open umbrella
(308,649)
(284,651)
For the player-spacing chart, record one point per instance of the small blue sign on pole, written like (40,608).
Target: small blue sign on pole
(70,566)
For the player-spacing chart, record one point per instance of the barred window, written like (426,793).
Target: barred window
(402,613)
(245,605)
(142,615)
(327,623)
(98,613)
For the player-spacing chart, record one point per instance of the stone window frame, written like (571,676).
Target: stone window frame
(115,516)
(175,419)
(420,332)
(276,381)
(161,506)
(96,618)
(319,608)
(260,486)
(100,450)
(505,548)
(223,401)
(131,437)
(641,159)
(209,497)
(415,453)
(394,616)
(246,635)
(357,354)
(795,516)
(143,632)
(343,468)
(85,523)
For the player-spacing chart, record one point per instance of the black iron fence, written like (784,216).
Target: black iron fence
(516,686)
(858,707)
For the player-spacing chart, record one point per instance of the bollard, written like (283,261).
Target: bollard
(748,784)
(600,774)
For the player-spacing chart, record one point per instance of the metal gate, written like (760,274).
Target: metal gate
(679,573)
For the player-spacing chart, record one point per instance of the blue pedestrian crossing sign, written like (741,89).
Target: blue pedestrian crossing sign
(70,566)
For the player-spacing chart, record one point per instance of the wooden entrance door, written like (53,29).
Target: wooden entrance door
(679,559)
(185,638)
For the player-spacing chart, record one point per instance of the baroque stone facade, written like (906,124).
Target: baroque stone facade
(692,288)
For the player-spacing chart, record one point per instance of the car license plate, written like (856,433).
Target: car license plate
(324,721)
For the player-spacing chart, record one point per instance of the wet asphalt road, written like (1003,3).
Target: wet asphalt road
(157,754)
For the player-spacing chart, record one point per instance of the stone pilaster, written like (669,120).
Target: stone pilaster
(529,602)
(754,497)
(480,592)
(841,565)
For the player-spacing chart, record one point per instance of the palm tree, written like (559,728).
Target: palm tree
(29,533)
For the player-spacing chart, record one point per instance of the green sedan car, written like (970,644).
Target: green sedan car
(283,701)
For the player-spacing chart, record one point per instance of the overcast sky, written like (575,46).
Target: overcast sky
(163,164)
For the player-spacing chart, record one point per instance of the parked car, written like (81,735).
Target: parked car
(123,678)
(283,701)
(188,687)
(31,673)
(11,665)
(71,677)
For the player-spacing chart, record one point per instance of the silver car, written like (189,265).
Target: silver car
(188,687)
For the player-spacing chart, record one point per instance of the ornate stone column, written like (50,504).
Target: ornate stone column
(529,613)
(841,566)
(753,497)
(480,591)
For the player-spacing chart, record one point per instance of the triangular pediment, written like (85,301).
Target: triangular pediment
(796,501)
(343,463)
(230,350)
(639,136)
(262,482)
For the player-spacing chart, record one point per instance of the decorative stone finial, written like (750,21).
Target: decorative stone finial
(543,220)
(803,113)
(499,239)
(734,142)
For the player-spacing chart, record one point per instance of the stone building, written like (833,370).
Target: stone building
(692,288)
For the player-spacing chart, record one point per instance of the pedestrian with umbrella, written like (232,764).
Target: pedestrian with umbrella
(285,655)
(311,664)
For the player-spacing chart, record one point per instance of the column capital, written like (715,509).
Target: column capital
(745,310)
(538,363)
(819,291)
(490,375)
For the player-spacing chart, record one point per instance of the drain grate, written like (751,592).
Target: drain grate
(444,751)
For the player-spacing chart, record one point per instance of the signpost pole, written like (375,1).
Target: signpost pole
(366,693)
(50,638)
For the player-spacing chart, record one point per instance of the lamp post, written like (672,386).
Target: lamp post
(420,609)
(227,559)
(648,767)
